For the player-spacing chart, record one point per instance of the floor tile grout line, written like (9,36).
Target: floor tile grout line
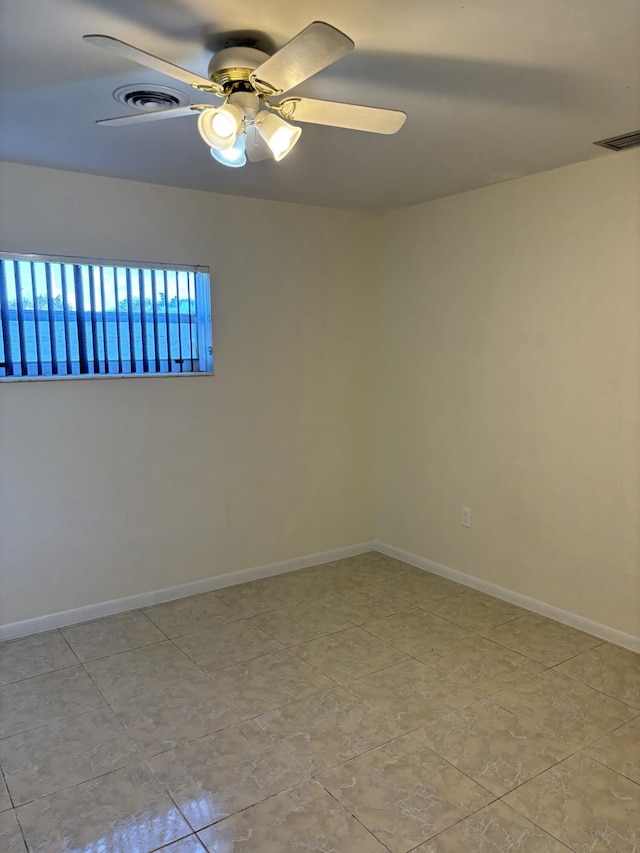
(455,823)
(319,637)
(603,693)
(97,619)
(249,716)
(535,660)
(579,654)
(441,757)
(192,740)
(421,661)
(455,767)
(526,718)
(588,687)
(617,728)
(604,764)
(247,808)
(315,692)
(211,627)
(418,743)
(500,797)
(181,636)
(232,814)
(105,702)
(526,817)
(575,750)
(441,675)
(139,746)
(351,758)
(591,687)
(524,678)
(162,631)
(351,627)
(272,797)
(39,674)
(532,614)
(345,685)
(3,777)
(410,654)
(27,846)
(124,651)
(100,691)
(360,700)
(165,847)
(354,816)
(435,602)
(137,760)
(89,710)
(541,828)
(93,709)
(69,646)
(216,669)
(527,715)
(170,796)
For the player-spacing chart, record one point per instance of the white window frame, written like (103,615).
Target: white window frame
(203,338)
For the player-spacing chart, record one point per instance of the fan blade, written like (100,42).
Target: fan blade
(153,115)
(256,148)
(307,53)
(127,51)
(350,116)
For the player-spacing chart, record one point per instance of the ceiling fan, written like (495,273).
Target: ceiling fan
(251,122)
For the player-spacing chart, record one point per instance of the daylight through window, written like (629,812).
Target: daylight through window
(71,317)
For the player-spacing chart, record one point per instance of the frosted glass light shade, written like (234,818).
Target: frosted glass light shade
(279,135)
(219,126)
(234,156)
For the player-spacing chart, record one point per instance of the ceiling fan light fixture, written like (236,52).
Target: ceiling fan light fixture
(278,134)
(235,156)
(219,126)
(245,78)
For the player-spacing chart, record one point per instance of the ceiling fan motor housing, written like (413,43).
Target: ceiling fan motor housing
(234,65)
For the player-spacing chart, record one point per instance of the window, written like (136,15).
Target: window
(72,317)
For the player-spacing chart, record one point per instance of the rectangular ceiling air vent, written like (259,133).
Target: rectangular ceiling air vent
(621,143)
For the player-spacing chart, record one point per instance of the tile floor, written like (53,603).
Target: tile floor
(359,707)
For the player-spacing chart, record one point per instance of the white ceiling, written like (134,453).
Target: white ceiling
(493,89)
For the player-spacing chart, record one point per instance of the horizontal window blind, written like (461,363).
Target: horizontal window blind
(74,318)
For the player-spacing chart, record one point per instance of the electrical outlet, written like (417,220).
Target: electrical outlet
(466,516)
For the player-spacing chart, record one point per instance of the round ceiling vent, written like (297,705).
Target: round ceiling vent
(147,98)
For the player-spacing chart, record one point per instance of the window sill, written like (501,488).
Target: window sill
(7,380)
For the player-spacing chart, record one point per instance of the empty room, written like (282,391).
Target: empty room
(319,426)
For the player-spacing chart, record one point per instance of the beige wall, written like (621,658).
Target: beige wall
(508,381)
(114,487)
(506,378)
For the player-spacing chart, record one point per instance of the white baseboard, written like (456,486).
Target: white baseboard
(605,632)
(146,599)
